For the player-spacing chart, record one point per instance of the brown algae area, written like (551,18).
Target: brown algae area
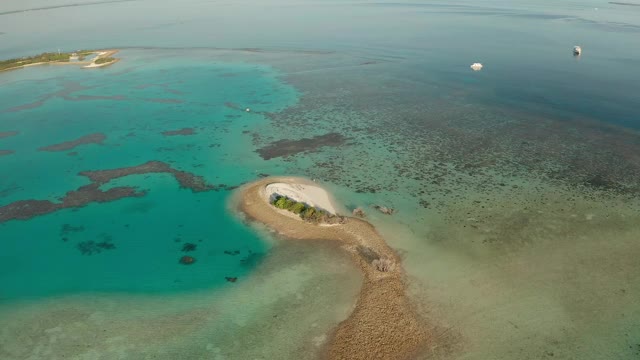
(183,131)
(27,209)
(384,324)
(96,138)
(285,147)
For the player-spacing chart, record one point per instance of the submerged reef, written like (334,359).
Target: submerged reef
(96,138)
(285,147)
(184,131)
(27,209)
(5,134)
(92,247)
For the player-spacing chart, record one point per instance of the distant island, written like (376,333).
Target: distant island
(84,58)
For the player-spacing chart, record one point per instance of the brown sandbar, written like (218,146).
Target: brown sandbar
(384,323)
(96,138)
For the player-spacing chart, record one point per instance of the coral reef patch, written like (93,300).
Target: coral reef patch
(286,147)
(27,209)
(96,138)
(183,131)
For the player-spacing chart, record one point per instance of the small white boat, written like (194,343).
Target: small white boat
(476,66)
(577,50)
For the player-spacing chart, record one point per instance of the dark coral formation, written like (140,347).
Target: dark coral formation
(187,260)
(185,179)
(92,247)
(6,152)
(183,131)
(287,147)
(27,209)
(189,247)
(68,228)
(96,138)
(6,134)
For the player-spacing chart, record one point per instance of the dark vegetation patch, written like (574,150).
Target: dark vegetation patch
(287,147)
(187,260)
(96,138)
(6,134)
(95,247)
(27,209)
(307,213)
(68,229)
(188,247)
(183,131)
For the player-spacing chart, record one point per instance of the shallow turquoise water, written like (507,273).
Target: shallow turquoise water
(40,258)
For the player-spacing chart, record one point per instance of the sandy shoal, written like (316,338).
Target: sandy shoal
(384,324)
(309,194)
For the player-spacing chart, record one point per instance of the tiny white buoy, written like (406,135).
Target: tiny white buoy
(476,66)
(577,50)
(247,110)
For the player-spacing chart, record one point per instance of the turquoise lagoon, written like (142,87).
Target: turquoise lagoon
(516,187)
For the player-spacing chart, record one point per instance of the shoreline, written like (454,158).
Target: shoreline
(83,64)
(383,322)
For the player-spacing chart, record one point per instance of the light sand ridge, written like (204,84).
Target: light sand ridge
(384,323)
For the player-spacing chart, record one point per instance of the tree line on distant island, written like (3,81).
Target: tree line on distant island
(42,58)
(306,212)
(50,57)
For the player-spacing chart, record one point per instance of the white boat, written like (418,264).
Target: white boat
(577,50)
(476,66)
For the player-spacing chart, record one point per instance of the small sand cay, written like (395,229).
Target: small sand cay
(103,59)
(383,324)
(309,194)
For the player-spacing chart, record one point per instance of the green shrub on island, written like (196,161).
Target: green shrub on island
(42,58)
(104,60)
(307,213)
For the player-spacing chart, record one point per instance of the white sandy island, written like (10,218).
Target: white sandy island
(311,195)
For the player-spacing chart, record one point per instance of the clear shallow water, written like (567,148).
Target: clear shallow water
(147,234)
(517,201)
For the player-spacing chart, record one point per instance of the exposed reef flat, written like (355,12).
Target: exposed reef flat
(27,209)
(96,138)
(6,152)
(184,131)
(384,324)
(6,134)
(287,147)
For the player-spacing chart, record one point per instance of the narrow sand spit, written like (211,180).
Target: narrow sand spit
(384,324)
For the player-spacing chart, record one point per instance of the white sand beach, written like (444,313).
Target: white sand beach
(309,194)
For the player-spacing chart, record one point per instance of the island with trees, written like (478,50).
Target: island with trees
(97,58)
